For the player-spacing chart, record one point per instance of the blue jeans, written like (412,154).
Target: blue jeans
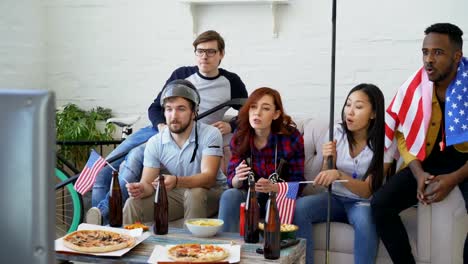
(229,208)
(313,209)
(131,171)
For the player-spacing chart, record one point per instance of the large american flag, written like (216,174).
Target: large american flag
(456,107)
(410,111)
(286,200)
(88,176)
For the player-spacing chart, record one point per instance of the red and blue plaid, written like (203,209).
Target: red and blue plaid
(290,148)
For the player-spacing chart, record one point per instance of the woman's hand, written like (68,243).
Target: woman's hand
(326,177)
(242,173)
(265,186)
(329,150)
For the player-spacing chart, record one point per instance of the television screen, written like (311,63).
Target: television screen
(27,160)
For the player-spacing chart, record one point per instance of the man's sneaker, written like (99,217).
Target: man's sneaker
(94,216)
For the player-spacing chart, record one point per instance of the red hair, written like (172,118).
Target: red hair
(244,131)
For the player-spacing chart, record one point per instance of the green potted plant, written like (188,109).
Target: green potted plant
(76,124)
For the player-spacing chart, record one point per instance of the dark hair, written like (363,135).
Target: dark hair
(375,132)
(244,131)
(210,35)
(454,33)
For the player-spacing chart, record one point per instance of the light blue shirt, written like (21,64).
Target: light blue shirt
(163,152)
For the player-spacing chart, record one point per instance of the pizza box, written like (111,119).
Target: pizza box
(136,233)
(159,253)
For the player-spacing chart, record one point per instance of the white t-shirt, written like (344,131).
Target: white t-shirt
(347,164)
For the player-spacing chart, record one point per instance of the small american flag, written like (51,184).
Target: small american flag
(88,176)
(286,200)
(410,111)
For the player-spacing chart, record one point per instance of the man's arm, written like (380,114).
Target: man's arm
(210,144)
(144,188)
(402,149)
(147,178)
(415,166)
(206,178)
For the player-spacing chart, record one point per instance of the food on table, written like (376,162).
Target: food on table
(137,225)
(205,222)
(97,241)
(284,227)
(197,253)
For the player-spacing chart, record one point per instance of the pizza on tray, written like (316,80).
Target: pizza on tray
(97,241)
(197,253)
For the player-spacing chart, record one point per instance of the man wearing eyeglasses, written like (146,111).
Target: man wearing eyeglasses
(215,86)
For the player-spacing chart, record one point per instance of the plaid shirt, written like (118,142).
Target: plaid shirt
(290,148)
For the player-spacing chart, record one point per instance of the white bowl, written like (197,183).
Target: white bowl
(204,227)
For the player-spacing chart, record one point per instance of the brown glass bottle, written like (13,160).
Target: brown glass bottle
(161,214)
(272,235)
(252,213)
(115,202)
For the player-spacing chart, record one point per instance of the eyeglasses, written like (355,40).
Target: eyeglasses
(208,52)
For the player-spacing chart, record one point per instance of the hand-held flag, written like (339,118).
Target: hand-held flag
(286,200)
(88,176)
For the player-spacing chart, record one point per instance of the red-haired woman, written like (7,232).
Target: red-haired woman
(266,135)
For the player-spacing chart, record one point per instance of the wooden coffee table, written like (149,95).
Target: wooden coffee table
(141,253)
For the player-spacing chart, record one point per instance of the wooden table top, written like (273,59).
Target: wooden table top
(141,253)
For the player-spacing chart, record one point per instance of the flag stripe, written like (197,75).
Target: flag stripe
(286,200)
(410,93)
(88,175)
(88,182)
(405,113)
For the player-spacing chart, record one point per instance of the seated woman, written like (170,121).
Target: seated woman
(358,157)
(266,135)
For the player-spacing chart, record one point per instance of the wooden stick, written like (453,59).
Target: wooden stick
(314,181)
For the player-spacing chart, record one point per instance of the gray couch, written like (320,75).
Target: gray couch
(437,232)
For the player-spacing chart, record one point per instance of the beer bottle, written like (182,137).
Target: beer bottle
(252,212)
(115,202)
(161,214)
(272,235)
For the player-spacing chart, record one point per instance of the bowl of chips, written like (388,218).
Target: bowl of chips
(204,227)
(287,230)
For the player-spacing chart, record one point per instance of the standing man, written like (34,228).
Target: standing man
(432,140)
(191,153)
(215,86)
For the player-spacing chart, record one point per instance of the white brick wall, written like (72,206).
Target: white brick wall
(118,53)
(22,44)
